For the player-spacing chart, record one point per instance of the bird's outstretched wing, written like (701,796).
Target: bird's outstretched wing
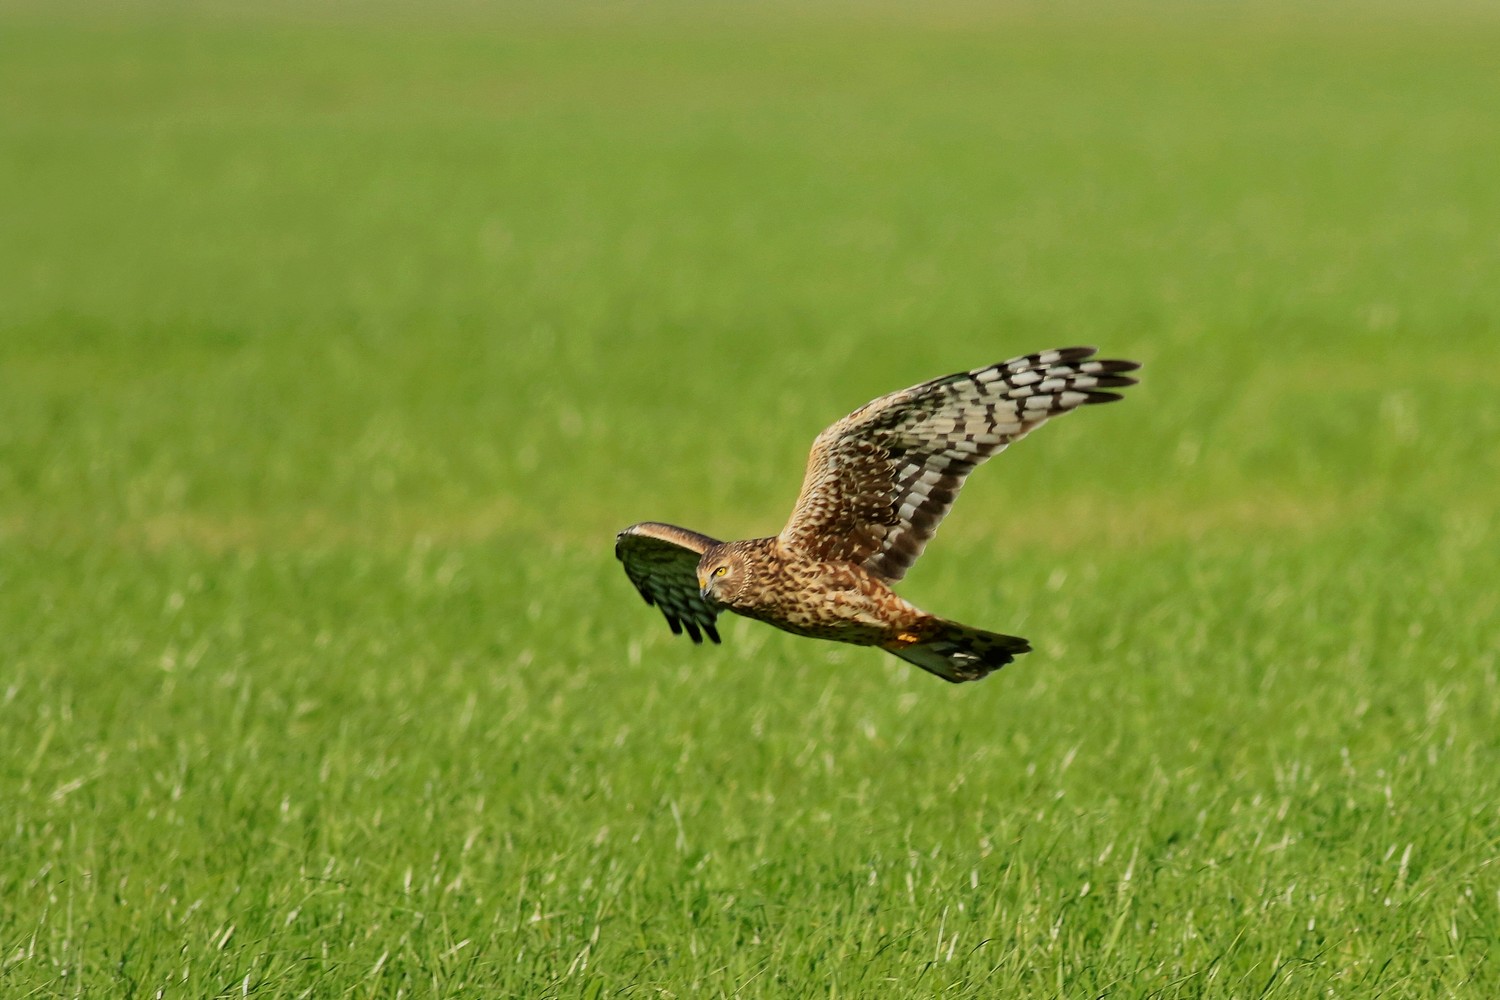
(880,480)
(662,561)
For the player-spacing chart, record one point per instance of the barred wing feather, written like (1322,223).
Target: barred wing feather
(880,481)
(662,561)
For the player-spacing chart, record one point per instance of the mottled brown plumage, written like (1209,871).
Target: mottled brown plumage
(878,484)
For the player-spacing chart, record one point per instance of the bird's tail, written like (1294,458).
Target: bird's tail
(955,652)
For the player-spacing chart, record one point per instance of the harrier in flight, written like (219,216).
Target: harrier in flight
(878,484)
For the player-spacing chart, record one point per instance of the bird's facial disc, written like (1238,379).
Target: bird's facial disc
(707,580)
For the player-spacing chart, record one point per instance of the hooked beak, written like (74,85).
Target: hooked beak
(705,588)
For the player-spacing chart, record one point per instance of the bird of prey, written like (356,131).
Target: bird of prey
(878,483)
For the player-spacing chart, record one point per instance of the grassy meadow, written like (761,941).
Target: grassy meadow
(336,341)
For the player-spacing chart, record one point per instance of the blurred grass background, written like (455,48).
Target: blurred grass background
(336,341)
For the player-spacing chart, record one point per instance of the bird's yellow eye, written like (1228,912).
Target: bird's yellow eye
(720,571)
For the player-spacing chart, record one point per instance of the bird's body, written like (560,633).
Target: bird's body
(878,483)
(820,599)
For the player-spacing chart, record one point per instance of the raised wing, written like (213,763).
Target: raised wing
(662,561)
(880,480)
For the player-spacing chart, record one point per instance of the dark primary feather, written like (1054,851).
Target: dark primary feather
(662,561)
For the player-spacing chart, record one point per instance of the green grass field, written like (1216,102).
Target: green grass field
(337,340)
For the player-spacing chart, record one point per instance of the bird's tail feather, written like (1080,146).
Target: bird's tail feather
(956,652)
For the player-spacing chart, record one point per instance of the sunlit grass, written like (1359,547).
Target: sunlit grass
(335,345)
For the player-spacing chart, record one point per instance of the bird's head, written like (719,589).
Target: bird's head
(721,574)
